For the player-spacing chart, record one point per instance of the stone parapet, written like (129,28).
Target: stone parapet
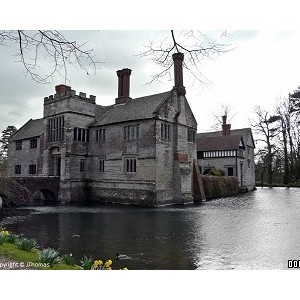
(70,94)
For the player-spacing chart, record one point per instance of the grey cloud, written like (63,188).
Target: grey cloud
(22,98)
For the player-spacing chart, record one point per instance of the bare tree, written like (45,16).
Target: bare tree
(267,128)
(193,44)
(283,110)
(225,110)
(45,53)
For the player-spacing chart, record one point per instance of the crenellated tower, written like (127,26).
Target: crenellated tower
(66,119)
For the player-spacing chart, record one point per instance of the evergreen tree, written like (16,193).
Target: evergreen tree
(6,134)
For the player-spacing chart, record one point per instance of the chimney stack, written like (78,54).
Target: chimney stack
(123,86)
(225,127)
(178,73)
(62,89)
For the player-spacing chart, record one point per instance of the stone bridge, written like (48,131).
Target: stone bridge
(22,190)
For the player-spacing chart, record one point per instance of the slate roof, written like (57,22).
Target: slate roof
(133,109)
(33,128)
(229,142)
(246,133)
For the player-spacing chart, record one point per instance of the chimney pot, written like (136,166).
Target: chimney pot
(225,127)
(62,89)
(224,119)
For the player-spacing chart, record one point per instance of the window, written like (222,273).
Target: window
(165,131)
(249,163)
(17,169)
(131,132)
(241,153)
(191,135)
(81,135)
(200,154)
(100,135)
(230,171)
(56,129)
(82,163)
(130,165)
(101,165)
(33,144)
(18,145)
(32,169)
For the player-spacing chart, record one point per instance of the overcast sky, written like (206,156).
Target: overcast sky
(261,67)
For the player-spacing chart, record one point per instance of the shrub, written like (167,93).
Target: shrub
(87,263)
(26,244)
(12,238)
(215,187)
(216,172)
(50,256)
(69,260)
(4,236)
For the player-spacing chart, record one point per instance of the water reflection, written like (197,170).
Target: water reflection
(259,230)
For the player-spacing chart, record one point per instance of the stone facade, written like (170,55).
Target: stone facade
(137,151)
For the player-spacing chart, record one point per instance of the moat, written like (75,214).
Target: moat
(258,230)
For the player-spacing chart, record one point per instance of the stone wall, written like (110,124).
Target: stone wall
(12,192)
(24,157)
(249,168)
(123,193)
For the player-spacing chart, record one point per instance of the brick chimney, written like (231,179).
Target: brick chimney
(62,89)
(178,73)
(123,86)
(225,127)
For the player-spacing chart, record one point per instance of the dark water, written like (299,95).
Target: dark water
(258,230)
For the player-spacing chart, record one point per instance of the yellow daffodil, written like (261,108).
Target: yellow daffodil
(5,232)
(108,263)
(97,263)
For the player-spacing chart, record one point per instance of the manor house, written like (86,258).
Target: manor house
(137,150)
(231,150)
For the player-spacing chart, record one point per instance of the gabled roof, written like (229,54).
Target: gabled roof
(33,128)
(228,142)
(133,109)
(246,133)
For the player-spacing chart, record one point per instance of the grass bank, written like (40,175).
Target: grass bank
(31,258)
(22,253)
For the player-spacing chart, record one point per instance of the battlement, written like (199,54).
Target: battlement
(65,92)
